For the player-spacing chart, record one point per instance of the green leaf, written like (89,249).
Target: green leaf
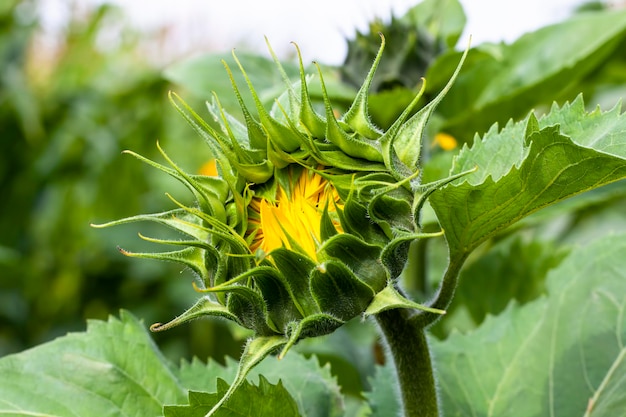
(111,369)
(602,131)
(256,350)
(586,205)
(264,400)
(513,269)
(530,173)
(351,352)
(504,81)
(561,355)
(383,398)
(313,387)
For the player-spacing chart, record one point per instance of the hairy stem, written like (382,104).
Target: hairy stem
(409,350)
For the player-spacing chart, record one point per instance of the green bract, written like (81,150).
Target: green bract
(288,292)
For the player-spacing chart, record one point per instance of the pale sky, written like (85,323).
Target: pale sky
(319,30)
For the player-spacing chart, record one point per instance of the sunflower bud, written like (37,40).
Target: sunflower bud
(308,221)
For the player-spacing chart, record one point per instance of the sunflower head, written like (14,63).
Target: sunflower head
(305,220)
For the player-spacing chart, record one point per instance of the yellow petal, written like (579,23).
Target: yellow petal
(293,216)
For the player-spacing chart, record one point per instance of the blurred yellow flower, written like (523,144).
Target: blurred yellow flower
(209,169)
(445,141)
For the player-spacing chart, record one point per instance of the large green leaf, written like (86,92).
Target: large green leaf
(383,398)
(313,387)
(111,369)
(527,166)
(561,355)
(114,369)
(349,353)
(264,400)
(513,269)
(503,81)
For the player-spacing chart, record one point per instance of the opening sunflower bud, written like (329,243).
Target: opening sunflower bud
(308,220)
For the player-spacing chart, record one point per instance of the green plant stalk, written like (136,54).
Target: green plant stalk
(445,293)
(405,335)
(409,350)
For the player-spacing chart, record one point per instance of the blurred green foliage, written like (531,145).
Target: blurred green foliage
(66,113)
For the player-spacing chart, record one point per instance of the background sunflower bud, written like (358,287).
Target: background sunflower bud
(308,221)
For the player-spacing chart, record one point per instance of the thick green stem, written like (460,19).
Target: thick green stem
(409,350)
